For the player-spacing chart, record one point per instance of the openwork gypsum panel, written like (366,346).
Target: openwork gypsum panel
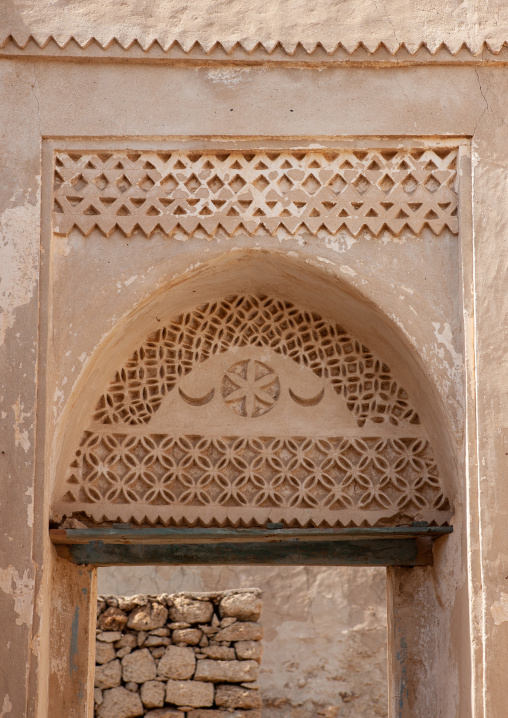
(370,390)
(249,192)
(125,470)
(227,479)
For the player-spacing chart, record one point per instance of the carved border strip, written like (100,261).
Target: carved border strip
(165,478)
(203,192)
(252,48)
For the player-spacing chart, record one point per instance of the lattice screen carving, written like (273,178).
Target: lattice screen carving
(252,448)
(365,381)
(252,192)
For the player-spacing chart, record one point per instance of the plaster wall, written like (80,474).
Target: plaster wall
(44,98)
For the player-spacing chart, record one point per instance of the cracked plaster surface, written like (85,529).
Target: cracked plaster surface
(20,588)
(19,239)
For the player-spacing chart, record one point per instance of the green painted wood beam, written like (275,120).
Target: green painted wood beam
(400,546)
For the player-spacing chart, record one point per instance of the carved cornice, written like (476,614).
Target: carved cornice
(418,30)
(357,52)
(256,192)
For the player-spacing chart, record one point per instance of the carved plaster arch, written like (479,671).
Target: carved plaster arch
(376,466)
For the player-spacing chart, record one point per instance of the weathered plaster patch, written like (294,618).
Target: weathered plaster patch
(30,507)
(21,590)
(347,270)
(6,707)
(499,609)
(62,246)
(19,238)
(341,243)
(20,435)
(228,76)
(58,399)
(452,368)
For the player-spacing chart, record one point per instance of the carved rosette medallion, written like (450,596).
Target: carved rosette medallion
(250,388)
(294,420)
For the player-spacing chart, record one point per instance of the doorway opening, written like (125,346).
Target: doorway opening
(324,645)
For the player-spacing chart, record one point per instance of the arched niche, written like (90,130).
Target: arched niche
(255,389)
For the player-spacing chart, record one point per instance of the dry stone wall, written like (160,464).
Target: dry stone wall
(188,654)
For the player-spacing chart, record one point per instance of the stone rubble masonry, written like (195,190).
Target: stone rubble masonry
(120,703)
(177,663)
(189,693)
(192,655)
(231,671)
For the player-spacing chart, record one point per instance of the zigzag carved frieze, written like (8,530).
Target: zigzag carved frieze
(293,192)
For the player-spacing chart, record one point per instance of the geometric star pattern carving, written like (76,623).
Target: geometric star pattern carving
(124,470)
(371,392)
(256,192)
(287,479)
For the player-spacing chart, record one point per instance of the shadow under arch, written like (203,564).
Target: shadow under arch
(254,272)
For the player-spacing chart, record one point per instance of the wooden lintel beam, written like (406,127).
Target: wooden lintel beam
(402,546)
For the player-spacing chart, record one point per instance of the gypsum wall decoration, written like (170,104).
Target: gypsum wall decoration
(134,463)
(256,192)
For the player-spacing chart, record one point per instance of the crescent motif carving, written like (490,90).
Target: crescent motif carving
(313,401)
(198,400)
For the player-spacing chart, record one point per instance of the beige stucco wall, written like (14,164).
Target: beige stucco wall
(105,99)
(324,631)
(451,618)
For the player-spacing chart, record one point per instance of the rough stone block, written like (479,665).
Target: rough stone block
(189,693)
(108,637)
(190,611)
(108,675)
(237,697)
(228,621)
(191,636)
(178,663)
(152,694)
(128,640)
(104,652)
(156,641)
(139,666)
(207,713)
(127,603)
(227,671)
(123,652)
(157,651)
(120,703)
(249,650)
(165,713)
(146,618)
(160,632)
(97,696)
(241,631)
(177,625)
(219,653)
(113,619)
(244,606)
